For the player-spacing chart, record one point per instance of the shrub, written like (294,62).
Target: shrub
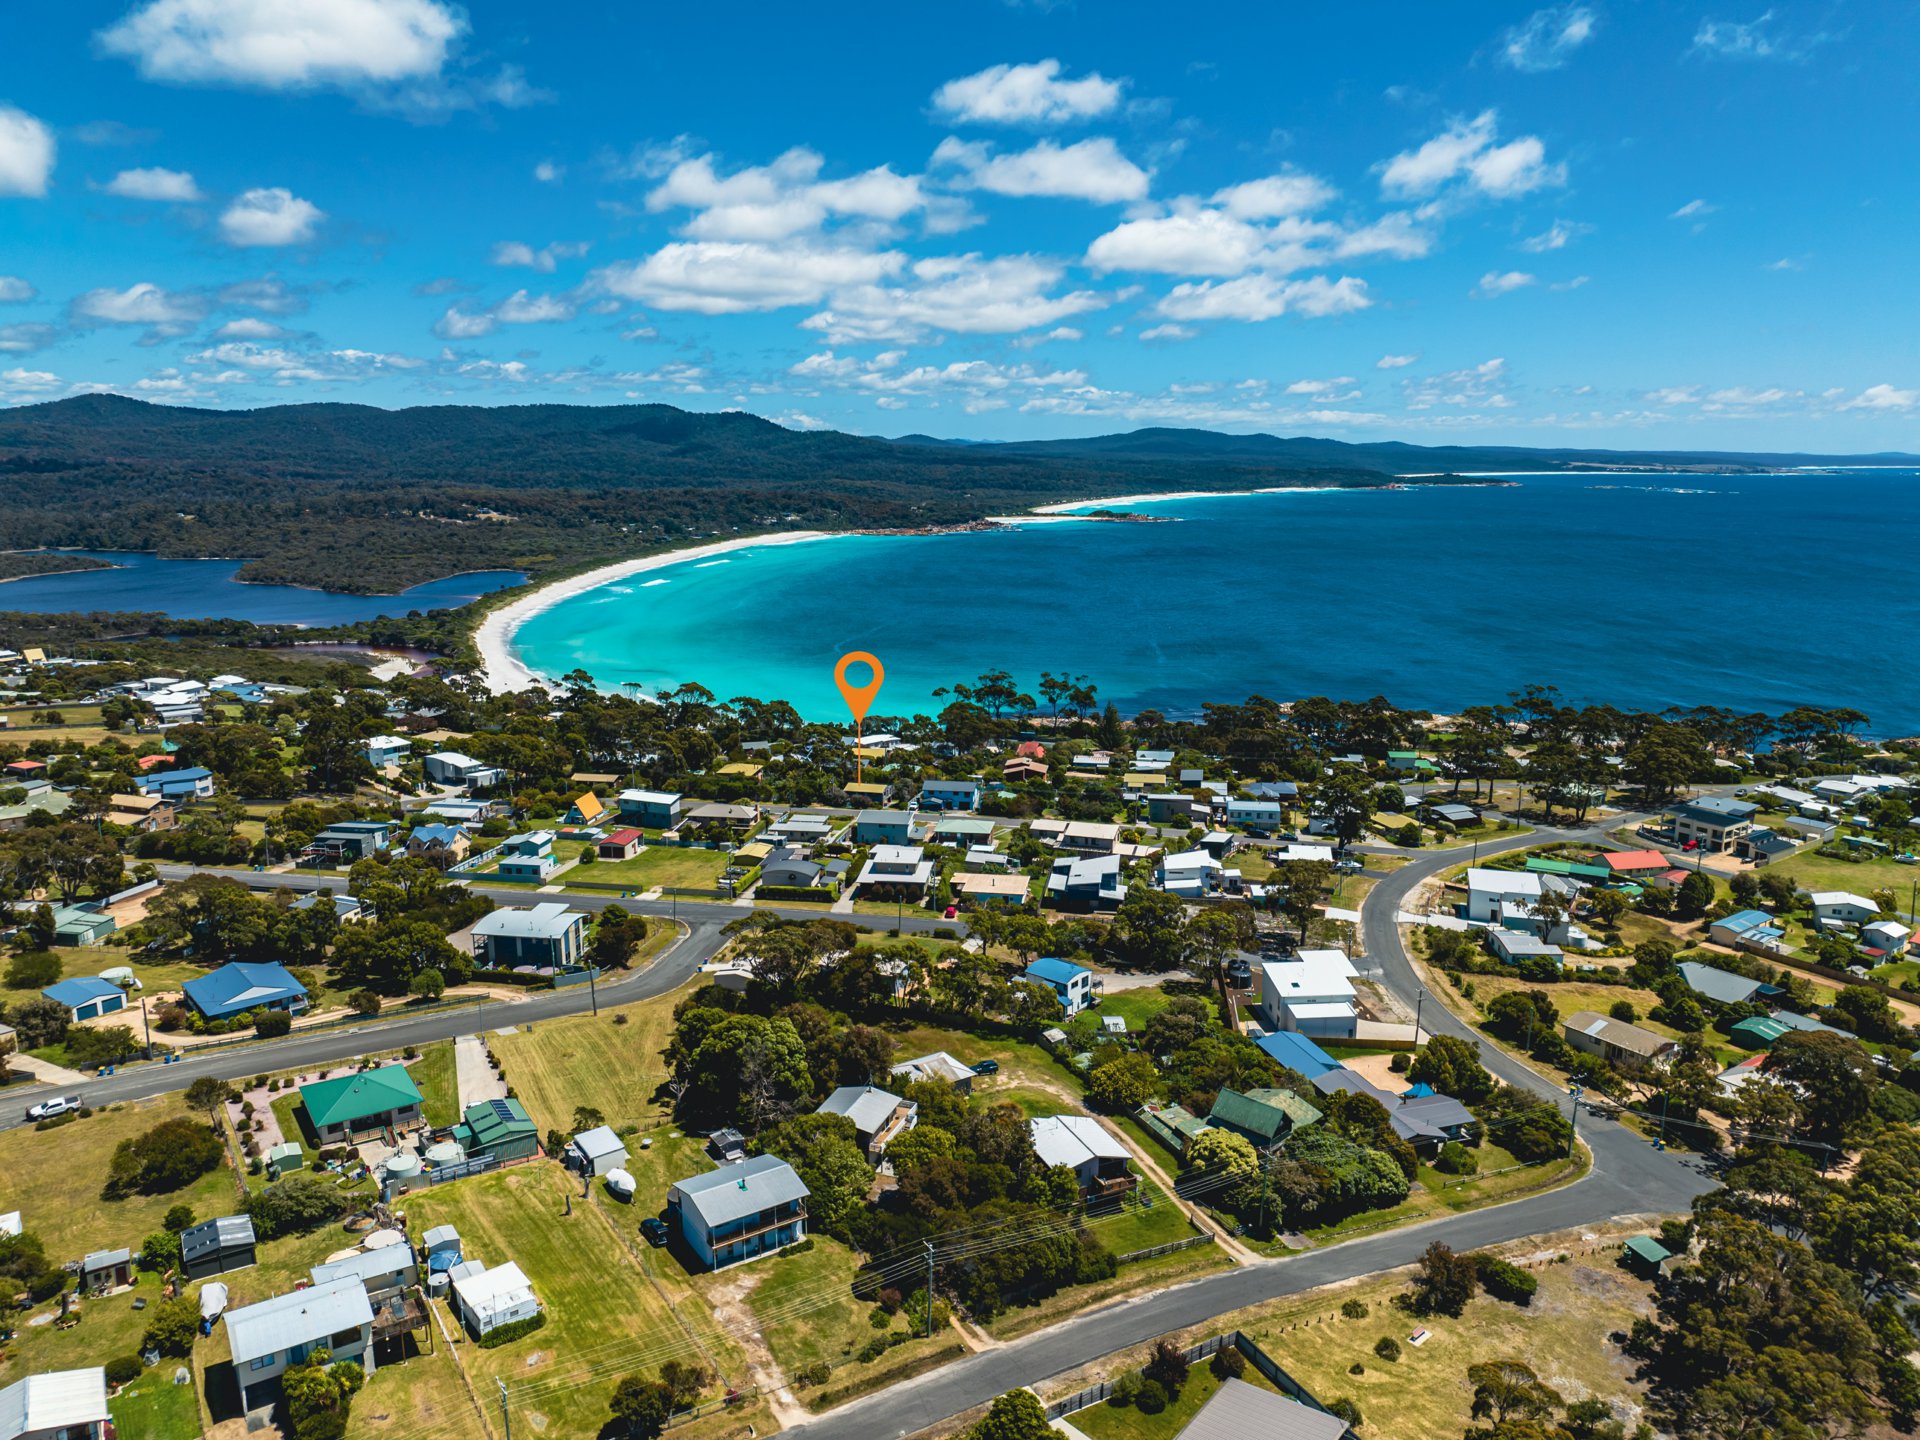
(1126,1389)
(514,1330)
(817,1373)
(1455,1159)
(880,1318)
(1346,1410)
(428,985)
(1228,1364)
(1387,1348)
(271,1024)
(1355,1310)
(172,1154)
(1356,1368)
(178,1218)
(364,1002)
(1399,1063)
(173,1328)
(122,1369)
(1152,1398)
(1623,1010)
(35,970)
(875,1347)
(1168,1366)
(1504,1281)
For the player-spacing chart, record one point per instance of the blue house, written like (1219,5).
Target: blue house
(548,936)
(242,986)
(1295,1051)
(1072,983)
(739,1211)
(86,996)
(883,827)
(385,750)
(192,784)
(528,857)
(950,794)
(651,809)
(1256,814)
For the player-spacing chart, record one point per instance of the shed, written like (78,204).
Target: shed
(87,996)
(495,1297)
(440,1239)
(596,1151)
(501,1129)
(213,1247)
(1757,1032)
(1646,1256)
(106,1270)
(284,1158)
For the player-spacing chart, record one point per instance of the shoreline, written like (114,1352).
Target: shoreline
(500,666)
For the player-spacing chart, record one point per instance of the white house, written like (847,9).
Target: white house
(1093,880)
(57,1405)
(450,767)
(385,750)
(1083,1145)
(1256,814)
(487,1299)
(1489,889)
(1311,993)
(1843,906)
(1191,873)
(268,1337)
(1888,936)
(897,867)
(548,936)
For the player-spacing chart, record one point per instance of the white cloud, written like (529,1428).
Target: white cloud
(459,324)
(247,356)
(287,44)
(1193,242)
(546,259)
(154,183)
(1478,385)
(1466,151)
(248,328)
(1883,397)
(26,153)
(521,308)
(1547,38)
(1059,332)
(1093,170)
(1263,297)
(1395,362)
(14,290)
(1168,331)
(1741,397)
(1496,282)
(727,278)
(969,294)
(1025,95)
(1395,235)
(268,295)
(270,215)
(1691,209)
(29,379)
(1272,196)
(785,198)
(1324,388)
(1557,236)
(982,384)
(24,339)
(548,173)
(1754,40)
(1675,395)
(1785,262)
(142,304)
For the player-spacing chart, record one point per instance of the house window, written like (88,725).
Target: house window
(264,1361)
(343,1337)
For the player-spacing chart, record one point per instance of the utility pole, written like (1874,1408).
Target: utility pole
(1664,1097)
(929,1245)
(146,1023)
(506,1418)
(1419,1008)
(593,989)
(1573,1134)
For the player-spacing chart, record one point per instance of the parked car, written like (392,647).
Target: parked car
(655,1229)
(987,1067)
(952,912)
(47,1109)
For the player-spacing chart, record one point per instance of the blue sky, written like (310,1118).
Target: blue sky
(1601,224)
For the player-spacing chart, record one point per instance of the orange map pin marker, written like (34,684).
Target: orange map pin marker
(859,698)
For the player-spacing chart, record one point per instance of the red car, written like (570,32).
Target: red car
(952,911)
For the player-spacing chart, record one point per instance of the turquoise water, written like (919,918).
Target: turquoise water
(206,590)
(1754,592)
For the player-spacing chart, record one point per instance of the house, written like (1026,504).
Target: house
(354,839)
(1420,1117)
(1264,1116)
(1489,891)
(351,1107)
(497,1130)
(104,1270)
(1305,854)
(939,1066)
(1646,1256)
(1632,864)
(1757,1032)
(1088,837)
(1100,1163)
(528,856)
(883,827)
(1714,823)
(865,794)
(985,889)
(982,858)
(1513,946)
(461,772)
(460,812)
(621,844)
(1763,846)
(1192,873)
(1722,986)
(487,1299)
(1297,1052)
(1312,993)
(586,809)
(1843,906)
(268,1337)
(216,1247)
(174,786)
(1615,1040)
(240,986)
(1404,760)
(81,925)
(1071,984)
(56,1405)
(737,818)
(878,1115)
(1092,880)
(1023,768)
(897,870)
(441,845)
(1237,1411)
(740,1212)
(963,832)
(801,830)
(1889,937)
(141,812)
(1153,759)
(596,1151)
(727,1147)
(1174,807)
(950,794)
(649,809)
(87,996)
(785,867)
(383,1272)
(1257,813)
(1754,928)
(547,936)
(385,750)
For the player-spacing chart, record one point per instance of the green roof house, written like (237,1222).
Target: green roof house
(352,1107)
(1262,1116)
(497,1128)
(1757,1032)
(1172,1125)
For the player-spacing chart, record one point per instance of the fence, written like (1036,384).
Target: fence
(1171,1248)
(1271,1369)
(438,1175)
(575,977)
(474,862)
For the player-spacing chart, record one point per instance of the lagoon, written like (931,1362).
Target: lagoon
(206,590)
(1753,592)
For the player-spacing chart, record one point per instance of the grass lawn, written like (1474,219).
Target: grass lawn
(1124,1422)
(659,865)
(108,1327)
(439,1086)
(1814,871)
(53,1178)
(154,1408)
(1136,1007)
(422,1394)
(601,1309)
(291,1114)
(592,1060)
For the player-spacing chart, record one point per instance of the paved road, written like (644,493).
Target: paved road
(1628,1177)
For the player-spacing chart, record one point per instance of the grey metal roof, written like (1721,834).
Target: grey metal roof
(1239,1411)
(210,1237)
(722,1196)
(600,1140)
(547,921)
(1721,985)
(364,1265)
(868,1106)
(105,1260)
(298,1318)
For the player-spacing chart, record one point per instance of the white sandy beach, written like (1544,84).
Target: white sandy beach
(500,663)
(1111,501)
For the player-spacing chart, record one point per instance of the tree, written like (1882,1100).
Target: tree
(1452,1067)
(160,1251)
(616,938)
(1298,887)
(33,970)
(173,1327)
(1123,1084)
(685,1379)
(1693,897)
(1509,1389)
(294,1206)
(318,1392)
(825,1153)
(1446,1281)
(642,1405)
(1833,1076)
(209,1096)
(90,1046)
(172,1154)
(1229,1159)
(1017,1415)
(365,1002)
(178,1218)
(427,985)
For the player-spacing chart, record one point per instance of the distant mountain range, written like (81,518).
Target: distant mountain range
(351,497)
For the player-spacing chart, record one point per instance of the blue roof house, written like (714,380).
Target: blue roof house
(192,784)
(950,794)
(86,996)
(241,986)
(1295,1051)
(1072,983)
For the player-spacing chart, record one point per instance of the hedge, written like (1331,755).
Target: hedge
(513,1330)
(814,893)
(511,977)
(1504,1281)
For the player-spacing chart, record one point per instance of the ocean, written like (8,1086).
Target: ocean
(1752,592)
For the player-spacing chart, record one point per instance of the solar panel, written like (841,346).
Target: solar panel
(501,1109)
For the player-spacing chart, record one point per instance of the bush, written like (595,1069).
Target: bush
(1455,1159)
(1356,1368)
(1623,1010)
(364,1002)
(173,1328)
(122,1369)
(1504,1281)
(879,1318)
(294,1206)
(875,1347)
(1126,1389)
(817,1373)
(172,1154)
(1399,1063)
(178,1218)
(428,985)
(35,970)
(1228,1364)
(1387,1348)
(1152,1398)
(1346,1410)
(271,1024)
(516,1330)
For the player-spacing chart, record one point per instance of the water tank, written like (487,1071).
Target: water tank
(445,1152)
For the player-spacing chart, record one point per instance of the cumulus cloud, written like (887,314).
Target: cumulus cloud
(1168,330)
(1883,397)
(26,153)
(1546,39)
(546,259)
(247,327)
(1025,95)
(461,324)
(1496,282)
(1058,333)
(24,339)
(1092,170)
(1466,152)
(784,198)
(1325,389)
(1187,242)
(522,308)
(1481,385)
(711,277)
(968,294)
(278,44)
(14,290)
(1557,236)
(548,173)
(269,215)
(1264,297)
(1395,362)
(164,312)
(1274,196)
(1675,395)
(154,183)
